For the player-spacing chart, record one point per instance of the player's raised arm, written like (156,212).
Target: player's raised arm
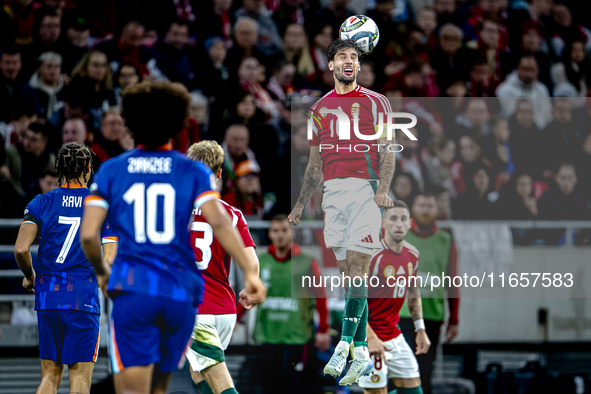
(228,237)
(387,167)
(415,306)
(22,253)
(312,179)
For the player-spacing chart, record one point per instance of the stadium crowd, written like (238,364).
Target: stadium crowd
(503,87)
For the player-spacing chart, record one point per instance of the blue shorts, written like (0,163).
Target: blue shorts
(149,330)
(67,336)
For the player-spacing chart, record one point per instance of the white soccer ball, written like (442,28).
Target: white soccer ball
(362,29)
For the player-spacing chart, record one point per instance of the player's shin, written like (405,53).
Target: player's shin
(204,387)
(356,303)
(360,337)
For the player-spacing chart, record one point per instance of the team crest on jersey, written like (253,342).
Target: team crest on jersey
(410,268)
(400,271)
(375,378)
(388,271)
(321,112)
(354,109)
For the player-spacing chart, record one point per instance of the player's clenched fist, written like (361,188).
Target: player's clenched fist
(383,200)
(255,291)
(296,214)
(423,342)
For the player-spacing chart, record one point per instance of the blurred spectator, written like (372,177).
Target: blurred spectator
(95,77)
(481,83)
(127,48)
(564,29)
(516,200)
(563,201)
(246,194)
(297,51)
(199,112)
(449,58)
(477,202)
(473,122)
(8,29)
(268,32)
(47,35)
(77,45)
(170,59)
(443,202)
(320,38)
(389,30)
(290,12)
(409,82)
(115,138)
(44,91)
(523,132)
(559,139)
(523,83)
(28,160)
(212,72)
(498,152)
(21,12)
(46,183)
(489,45)
(127,75)
(218,21)
(287,333)
(280,85)
(490,10)
(574,70)
(531,43)
(235,144)
(74,130)
(469,156)
(404,187)
(447,12)
(366,76)
(437,165)
(249,74)
(75,106)
(246,31)
(408,159)
(426,20)
(584,161)
(10,83)
(335,14)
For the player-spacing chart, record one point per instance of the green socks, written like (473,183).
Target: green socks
(355,305)
(393,392)
(360,337)
(414,390)
(233,391)
(204,387)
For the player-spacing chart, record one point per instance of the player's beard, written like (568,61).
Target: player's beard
(344,79)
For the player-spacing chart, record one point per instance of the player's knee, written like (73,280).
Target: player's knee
(381,390)
(196,376)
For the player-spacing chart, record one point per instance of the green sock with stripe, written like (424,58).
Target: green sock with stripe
(393,392)
(232,391)
(360,337)
(354,307)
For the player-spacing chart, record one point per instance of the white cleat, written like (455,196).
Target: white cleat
(358,369)
(336,364)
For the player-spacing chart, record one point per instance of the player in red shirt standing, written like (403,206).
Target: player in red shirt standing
(357,173)
(216,318)
(393,266)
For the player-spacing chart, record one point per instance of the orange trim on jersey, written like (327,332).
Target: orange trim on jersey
(167,146)
(211,193)
(116,239)
(93,198)
(116,349)
(73,186)
(96,349)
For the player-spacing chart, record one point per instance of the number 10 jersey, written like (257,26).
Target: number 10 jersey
(150,196)
(214,261)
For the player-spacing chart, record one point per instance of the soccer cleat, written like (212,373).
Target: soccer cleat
(336,364)
(357,369)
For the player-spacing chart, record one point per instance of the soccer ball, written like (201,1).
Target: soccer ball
(362,29)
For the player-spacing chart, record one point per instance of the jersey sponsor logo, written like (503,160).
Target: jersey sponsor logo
(410,270)
(71,202)
(375,378)
(149,165)
(367,239)
(389,271)
(400,271)
(354,109)
(281,304)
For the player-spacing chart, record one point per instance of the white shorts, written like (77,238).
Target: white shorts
(352,219)
(400,363)
(211,336)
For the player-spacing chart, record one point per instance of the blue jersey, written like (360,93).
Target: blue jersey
(150,196)
(64,277)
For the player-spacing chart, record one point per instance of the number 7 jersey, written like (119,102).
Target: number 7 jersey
(214,261)
(150,196)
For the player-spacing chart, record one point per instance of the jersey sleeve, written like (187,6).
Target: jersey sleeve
(242,228)
(32,211)
(100,189)
(108,236)
(205,188)
(384,107)
(318,124)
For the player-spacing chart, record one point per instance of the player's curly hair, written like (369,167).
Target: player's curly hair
(154,112)
(209,152)
(339,45)
(72,163)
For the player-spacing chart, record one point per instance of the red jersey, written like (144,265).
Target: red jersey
(214,262)
(386,299)
(351,157)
